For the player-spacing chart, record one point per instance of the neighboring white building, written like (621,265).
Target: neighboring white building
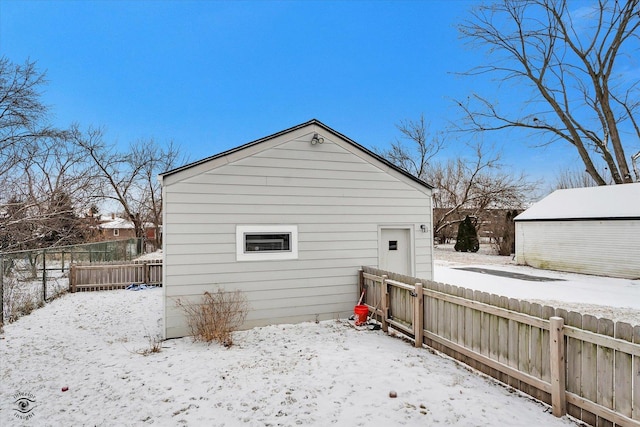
(592,230)
(289,219)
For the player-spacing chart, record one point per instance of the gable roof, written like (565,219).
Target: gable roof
(619,201)
(293,129)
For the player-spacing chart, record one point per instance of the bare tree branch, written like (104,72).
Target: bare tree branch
(129,178)
(416,148)
(571,59)
(473,184)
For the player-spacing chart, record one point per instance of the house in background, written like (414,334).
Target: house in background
(593,230)
(115,228)
(289,219)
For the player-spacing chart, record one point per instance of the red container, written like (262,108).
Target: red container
(361,312)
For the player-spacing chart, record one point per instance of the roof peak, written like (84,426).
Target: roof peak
(308,123)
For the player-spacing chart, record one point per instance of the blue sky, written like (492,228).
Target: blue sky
(212,75)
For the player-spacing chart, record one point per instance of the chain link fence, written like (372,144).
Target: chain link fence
(28,279)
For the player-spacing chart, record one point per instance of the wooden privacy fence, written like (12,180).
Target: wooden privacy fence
(579,364)
(107,276)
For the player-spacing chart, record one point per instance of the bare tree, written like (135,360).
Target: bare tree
(416,148)
(474,186)
(22,113)
(47,197)
(468,185)
(574,178)
(52,178)
(129,178)
(570,68)
(61,185)
(42,182)
(154,160)
(112,171)
(15,228)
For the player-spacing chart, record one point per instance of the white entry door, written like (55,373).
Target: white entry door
(395,250)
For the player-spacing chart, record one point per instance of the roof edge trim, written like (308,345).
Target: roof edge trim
(607,218)
(292,129)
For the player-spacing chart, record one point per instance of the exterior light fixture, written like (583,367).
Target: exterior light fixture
(317,139)
(423,228)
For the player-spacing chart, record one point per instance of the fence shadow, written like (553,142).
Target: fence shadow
(581,365)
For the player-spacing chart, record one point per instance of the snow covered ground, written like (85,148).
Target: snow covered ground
(91,346)
(308,374)
(615,299)
(23,294)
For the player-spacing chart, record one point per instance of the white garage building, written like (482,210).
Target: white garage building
(592,230)
(289,219)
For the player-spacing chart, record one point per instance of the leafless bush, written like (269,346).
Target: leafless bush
(19,300)
(155,345)
(217,316)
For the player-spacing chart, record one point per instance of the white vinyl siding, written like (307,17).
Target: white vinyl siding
(598,247)
(332,193)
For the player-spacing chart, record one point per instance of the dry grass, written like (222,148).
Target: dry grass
(155,345)
(18,300)
(216,316)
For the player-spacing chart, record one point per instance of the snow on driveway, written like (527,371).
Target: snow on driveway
(615,299)
(308,374)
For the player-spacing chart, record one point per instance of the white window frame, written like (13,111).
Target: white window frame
(242,230)
(116,232)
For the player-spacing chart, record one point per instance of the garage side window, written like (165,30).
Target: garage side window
(266,242)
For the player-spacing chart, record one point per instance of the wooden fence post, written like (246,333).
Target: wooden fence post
(558,376)
(384,303)
(418,315)
(72,278)
(147,273)
(360,282)
(44,276)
